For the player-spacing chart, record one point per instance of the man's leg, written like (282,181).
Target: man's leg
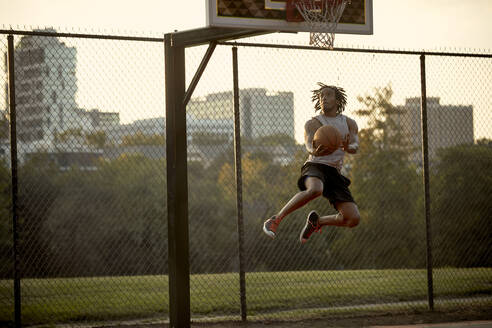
(348,216)
(314,189)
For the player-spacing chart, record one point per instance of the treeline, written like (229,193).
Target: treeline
(113,220)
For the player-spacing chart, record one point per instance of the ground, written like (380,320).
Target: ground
(470,318)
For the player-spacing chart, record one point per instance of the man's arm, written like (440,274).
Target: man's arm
(351,145)
(309,129)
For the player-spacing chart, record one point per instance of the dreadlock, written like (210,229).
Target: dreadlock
(340,96)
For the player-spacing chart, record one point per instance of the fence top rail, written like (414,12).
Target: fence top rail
(245,44)
(380,51)
(83,36)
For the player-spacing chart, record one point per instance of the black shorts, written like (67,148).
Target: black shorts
(335,185)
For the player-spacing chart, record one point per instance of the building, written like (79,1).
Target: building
(100,121)
(447,125)
(261,113)
(147,127)
(45,87)
(157,126)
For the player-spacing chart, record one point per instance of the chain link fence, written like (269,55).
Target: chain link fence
(92,183)
(461,161)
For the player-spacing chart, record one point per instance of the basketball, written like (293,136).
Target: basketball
(329,137)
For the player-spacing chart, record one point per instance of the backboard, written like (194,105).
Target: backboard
(271,15)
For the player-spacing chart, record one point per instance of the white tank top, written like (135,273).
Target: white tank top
(334,159)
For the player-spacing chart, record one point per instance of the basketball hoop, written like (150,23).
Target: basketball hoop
(321,15)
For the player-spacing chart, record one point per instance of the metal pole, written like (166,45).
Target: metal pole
(425,159)
(199,72)
(239,186)
(13,165)
(177,185)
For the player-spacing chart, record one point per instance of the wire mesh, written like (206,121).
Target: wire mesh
(6,228)
(92,184)
(212,211)
(460,151)
(341,268)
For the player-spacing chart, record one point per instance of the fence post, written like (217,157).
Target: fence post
(239,185)
(425,172)
(177,185)
(13,166)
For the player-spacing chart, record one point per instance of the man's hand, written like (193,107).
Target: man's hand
(346,142)
(351,142)
(309,130)
(320,150)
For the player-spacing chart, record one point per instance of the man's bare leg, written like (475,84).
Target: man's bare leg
(347,216)
(314,189)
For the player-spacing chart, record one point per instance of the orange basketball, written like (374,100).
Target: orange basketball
(329,137)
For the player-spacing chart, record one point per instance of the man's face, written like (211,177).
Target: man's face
(328,100)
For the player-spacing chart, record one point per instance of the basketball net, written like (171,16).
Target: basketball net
(323,17)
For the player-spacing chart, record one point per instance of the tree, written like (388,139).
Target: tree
(38,191)
(67,134)
(110,221)
(209,139)
(97,139)
(212,221)
(276,139)
(143,139)
(385,185)
(6,233)
(461,205)
(4,126)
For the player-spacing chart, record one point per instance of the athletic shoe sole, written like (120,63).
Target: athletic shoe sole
(308,224)
(269,233)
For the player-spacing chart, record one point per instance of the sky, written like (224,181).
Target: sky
(439,25)
(415,24)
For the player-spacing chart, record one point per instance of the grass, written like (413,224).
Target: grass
(268,294)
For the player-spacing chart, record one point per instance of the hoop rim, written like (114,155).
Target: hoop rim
(319,14)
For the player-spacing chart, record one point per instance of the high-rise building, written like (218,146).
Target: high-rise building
(447,125)
(262,113)
(45,87)
(48,118)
